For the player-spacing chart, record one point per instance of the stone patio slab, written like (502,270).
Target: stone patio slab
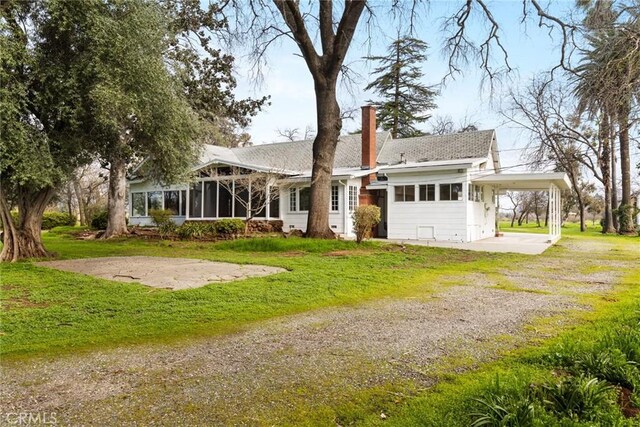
(162,272)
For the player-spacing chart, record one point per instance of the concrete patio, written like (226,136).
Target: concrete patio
(162,272)
(521,243)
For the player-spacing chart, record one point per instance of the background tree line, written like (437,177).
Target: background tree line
(580,121)
(111,82)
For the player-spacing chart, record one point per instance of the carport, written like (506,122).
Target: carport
(553,183)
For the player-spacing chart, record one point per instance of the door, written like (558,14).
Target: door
(382,204)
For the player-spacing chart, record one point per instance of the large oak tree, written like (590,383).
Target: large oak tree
(37,95)
(323,32)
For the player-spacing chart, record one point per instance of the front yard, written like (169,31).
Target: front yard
(349,334)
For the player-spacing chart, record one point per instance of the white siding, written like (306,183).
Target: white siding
(298,220)
(481,216)
(408,220)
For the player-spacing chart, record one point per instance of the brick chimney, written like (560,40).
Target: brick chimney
(368,137)
(368,153)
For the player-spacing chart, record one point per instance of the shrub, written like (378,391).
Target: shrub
(229,228)
(627,340)
(160,216)
(608,364)
(167,228)
(57,219)
(49,219)
(195,230)
(504,407)
(99,220)
(365,217)
(580,397)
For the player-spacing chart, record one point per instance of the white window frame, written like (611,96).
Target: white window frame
(300,198)
(335,197)
(426,193)
(460,193)
(144,195)
(353,197)
(404,193)
(293,199)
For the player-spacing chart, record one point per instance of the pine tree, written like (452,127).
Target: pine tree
(406,100)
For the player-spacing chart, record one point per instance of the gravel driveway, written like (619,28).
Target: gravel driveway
(311,360)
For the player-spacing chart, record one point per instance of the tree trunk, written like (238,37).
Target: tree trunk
(513,218)
(605,167)
(24,240)
(626,210)
(82,208)
(614,179)
(546,214)
(324,148)
(116,206)
(583,225)
(524,214)
(396,97)
(69,200)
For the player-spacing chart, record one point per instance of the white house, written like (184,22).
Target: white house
(430,187)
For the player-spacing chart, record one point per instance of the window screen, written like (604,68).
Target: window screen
(137,204)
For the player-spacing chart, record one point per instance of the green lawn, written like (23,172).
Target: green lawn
(49,311)
(568,228)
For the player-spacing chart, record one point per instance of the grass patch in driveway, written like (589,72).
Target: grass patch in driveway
(459,400)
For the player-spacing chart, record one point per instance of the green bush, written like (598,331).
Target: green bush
(57,219)
(505,406)
(167,228)
(627,340)
(229,228)
(160,216)
(99,220)
(50,219)
(365,217)
(195,230)
(579,397)
(607,364)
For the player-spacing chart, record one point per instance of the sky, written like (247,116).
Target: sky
(531,50)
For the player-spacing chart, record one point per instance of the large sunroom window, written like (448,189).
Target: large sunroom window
(138,207)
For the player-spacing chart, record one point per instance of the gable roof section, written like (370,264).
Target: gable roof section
(430,148)
(295,158)
(298,155)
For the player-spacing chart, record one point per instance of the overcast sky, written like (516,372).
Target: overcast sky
(531,50)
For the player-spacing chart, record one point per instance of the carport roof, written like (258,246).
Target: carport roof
(526,181)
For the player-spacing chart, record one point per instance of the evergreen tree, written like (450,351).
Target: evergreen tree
(406,100)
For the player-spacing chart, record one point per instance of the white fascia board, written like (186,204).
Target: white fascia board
(243,165)
(430,166)
(337,175)
(526,181)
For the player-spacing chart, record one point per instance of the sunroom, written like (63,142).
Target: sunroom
(219,191)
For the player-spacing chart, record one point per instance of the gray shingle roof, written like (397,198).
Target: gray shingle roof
(297,156)
(431,148)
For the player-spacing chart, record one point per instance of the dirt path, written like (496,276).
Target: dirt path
(300,364)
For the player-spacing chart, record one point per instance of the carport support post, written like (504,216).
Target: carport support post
(555,208)
(497,212)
